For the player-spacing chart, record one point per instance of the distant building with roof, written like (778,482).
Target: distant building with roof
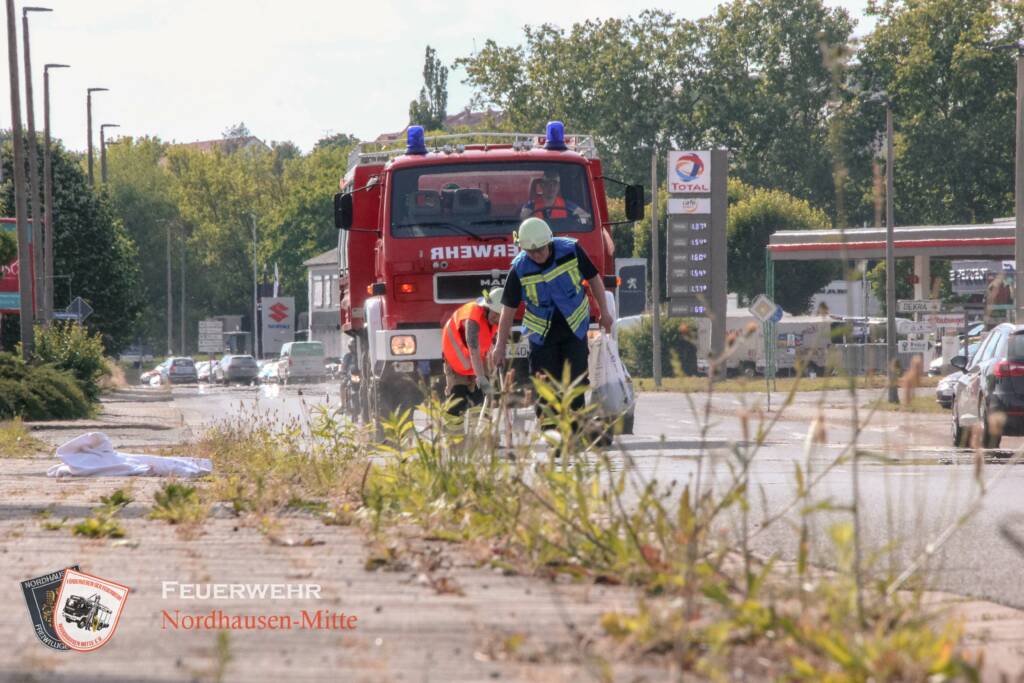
(226,145)
(322,290)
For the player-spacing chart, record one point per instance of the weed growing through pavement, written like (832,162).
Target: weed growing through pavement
(178,503)
(102,522)
(16,441)
(584,513)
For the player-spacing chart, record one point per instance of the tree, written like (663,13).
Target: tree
(8,247)
(430,110)
(339,140)
(631,82)
(751,221)
(94,257)
(141,191)
(767,85)
(953,100)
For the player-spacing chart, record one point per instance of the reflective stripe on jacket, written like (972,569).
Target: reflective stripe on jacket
(453,339)
(560,286)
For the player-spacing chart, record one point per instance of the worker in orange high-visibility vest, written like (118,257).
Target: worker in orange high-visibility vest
(465,343)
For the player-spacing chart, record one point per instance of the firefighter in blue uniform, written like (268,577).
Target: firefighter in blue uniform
(548,274)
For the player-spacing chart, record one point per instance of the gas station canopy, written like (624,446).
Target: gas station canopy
(993,240)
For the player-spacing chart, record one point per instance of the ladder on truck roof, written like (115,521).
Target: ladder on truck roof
(380,152)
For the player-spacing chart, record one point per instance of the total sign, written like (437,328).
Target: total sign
(278,323)
(689,172)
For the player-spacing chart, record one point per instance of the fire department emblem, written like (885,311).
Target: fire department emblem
(87,610)
(41,596)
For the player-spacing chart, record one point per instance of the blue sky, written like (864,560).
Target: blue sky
(187,69)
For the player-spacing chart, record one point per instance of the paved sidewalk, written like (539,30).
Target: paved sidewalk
(412,623)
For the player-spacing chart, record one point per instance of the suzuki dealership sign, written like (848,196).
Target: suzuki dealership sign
(689,172)
(278,323)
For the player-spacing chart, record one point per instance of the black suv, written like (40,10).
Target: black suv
(989,394)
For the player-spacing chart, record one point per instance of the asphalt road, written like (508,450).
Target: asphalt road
(911,500)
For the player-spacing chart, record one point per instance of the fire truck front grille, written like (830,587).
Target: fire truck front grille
(459,287)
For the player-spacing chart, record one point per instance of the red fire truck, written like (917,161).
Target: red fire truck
(428,225)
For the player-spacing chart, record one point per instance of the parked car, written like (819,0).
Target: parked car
(179,371)
(236,368)
(302,361)
(204,370)
(268,372)
(149,375)
(989,395)
(944,390)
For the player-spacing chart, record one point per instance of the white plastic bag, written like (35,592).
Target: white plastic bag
(611,388)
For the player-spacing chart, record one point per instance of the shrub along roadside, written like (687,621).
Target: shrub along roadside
(710,605)
(39,392)
(678,353)
(70,347)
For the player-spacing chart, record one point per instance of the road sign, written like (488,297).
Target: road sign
(211,336)
(946,320)
(918,305)
(762,308)
(632,291)
(79,308)
(919,328)
(63,315)
(913,345)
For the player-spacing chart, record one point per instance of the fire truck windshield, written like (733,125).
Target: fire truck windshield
(489,199)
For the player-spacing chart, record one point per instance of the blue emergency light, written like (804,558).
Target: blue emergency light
(414,141)
(555,138)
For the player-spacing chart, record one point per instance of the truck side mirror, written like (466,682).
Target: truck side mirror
(634,202)
(343,210)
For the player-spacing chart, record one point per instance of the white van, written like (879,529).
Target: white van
(302,361)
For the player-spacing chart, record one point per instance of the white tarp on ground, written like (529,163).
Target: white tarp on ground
(93,454)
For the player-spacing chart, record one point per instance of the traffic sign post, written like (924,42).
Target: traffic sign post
(768,312)
(211,336)
(918,305)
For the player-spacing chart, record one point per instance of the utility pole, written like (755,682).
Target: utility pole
(88,120)
(35,188)
(184,347)
(655,271)
(103,150)
(48,231)
(255,295)
(1018,243)
(890,260)
(20,193)
(170,299)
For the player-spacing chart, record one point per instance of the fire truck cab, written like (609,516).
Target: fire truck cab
(429,225)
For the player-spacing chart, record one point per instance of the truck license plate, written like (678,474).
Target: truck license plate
(518,351)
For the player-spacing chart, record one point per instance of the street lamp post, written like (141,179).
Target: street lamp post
(890,260)
(48,231)
(88,119)
(20,198)
(255,294)
(103,150)
(34,186)
(1018,194)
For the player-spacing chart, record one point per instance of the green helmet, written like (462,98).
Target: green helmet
(492,299)
(533,233)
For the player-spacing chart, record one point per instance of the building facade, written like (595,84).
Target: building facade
(324,320)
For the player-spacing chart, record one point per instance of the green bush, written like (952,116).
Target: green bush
(678,353)
(70,347)
(39,392)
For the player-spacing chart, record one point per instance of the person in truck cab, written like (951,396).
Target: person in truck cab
(465,341)
(550,205)
(548,274)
